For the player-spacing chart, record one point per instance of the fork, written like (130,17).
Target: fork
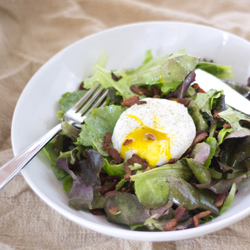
(94,98)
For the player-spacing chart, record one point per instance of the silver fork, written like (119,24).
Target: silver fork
(75,116)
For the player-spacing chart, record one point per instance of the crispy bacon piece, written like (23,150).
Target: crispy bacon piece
(197,88)
(113,209)
(146,92)
(183,101)
(148,168)
(179,212)
(97,211)
(170,225)
(127,142)
(156,91)
(150,137)
(196,221)
(129,189)
(128,171)
(107,140)
(226,125)
(136,90)
(219,200)
(137,159)
(200,135)
(115,77)
(199,216)
(156,96)
(107,188)
(81,87)
(115,154)
(203,214)
(171,161)
(130,101)
(216,114)
(141,102)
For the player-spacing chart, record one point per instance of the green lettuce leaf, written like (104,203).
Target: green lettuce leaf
(68,183)
(49,152)
(205,101)
(220,71)
(167,71)
(69,99)
(182,193)
(151,186)
(114,170)
(211,141)
(229,199)
(152,191)
(201,173)
(233,117)
(199,121)
(97,124)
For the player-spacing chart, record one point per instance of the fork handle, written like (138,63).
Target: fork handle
(14,166)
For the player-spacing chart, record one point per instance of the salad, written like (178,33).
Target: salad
(162,155)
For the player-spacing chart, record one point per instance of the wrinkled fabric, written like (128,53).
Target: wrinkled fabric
(31,32)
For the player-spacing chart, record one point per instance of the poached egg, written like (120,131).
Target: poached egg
(157,131)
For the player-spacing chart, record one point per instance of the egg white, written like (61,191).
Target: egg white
(163,115)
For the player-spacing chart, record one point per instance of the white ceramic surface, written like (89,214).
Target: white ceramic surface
(36,109)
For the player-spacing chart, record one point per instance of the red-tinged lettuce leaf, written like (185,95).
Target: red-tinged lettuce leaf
(130,210)
(181,91)
(90,168)
(201,173)
(63,164)
(200,152)
(239,133)
(80,196)
(207,201)
(236,153)
(85,174)
(151,186)
(182,193)
(164,210)
(221,186)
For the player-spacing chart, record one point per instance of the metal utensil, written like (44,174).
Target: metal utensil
(75,116)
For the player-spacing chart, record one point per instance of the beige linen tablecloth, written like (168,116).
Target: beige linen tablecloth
(31,32)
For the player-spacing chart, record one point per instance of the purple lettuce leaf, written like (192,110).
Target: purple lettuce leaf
(200,152)
(85,174)
(235,153)
(221,186)
(130,210)
(181,91)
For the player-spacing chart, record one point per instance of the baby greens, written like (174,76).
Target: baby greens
(205,178)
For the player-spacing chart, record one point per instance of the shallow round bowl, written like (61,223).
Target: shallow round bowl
(35,112)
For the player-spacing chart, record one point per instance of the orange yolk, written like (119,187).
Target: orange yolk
(148,143)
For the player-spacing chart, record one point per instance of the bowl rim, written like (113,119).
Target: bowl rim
(132,235)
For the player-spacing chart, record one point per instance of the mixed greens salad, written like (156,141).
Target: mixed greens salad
(180,194)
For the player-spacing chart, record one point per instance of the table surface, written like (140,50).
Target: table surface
(31,32)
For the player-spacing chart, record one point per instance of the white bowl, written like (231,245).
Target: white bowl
(35,112)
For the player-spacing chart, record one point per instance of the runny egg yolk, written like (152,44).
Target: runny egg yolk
(148,143)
